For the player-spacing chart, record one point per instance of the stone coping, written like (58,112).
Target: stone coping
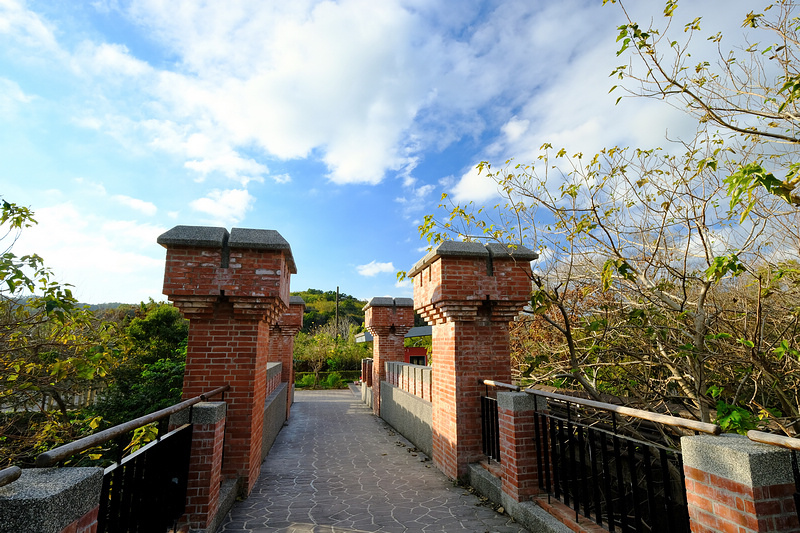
(296,300)
(388,301)
(45,500)
(238,238)
(472,249)
(737,458)
(198,236)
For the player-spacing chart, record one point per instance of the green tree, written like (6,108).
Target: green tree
(664,278)
(149,375)
(52,351)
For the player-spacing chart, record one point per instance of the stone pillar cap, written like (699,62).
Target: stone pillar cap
(197,236)
(387,301)
(262,239)
(473,249)
(297,300)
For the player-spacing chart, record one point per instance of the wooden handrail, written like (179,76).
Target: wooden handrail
(51,457)
(501,385)
(667,420)
(10,474)
(783,441)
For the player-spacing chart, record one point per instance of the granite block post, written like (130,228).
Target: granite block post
(735,484)
(52,500)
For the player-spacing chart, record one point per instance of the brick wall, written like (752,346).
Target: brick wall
(414,379)
(85,524)
(468,292)
(388,319)
(233,288)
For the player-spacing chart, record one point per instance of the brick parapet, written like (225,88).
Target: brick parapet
(205,463)
(469,293)
(388,319)
(233,287)
(734,484)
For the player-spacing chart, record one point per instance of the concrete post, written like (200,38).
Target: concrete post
(469,293)
(388,319)
(52,500)
(281,340)
(232,288)
(734,484)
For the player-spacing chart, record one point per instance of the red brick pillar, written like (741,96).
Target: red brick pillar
(518,464)
(388,319)
(469,293)
(734,484)
(282,344)
(205,463)
(232,288)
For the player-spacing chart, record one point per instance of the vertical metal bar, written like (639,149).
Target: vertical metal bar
(634,485)
(607,483)
(683,509)
(556,431)
(650,516)
(569,489)
(668,498)
(581,494)
(496,425)
(547,424)
(595,482)
(539,448)
(621,490)
(796,472)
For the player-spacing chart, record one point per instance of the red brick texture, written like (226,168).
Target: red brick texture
(85,524)
(719,504)
(281,349)
(388,325)
(520,478)
(469,302)
(232,303)
(205,474)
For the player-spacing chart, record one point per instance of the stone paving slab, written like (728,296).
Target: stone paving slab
(337,468)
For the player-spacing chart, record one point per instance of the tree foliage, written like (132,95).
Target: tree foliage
(668,277)
(52,351)
(321,309)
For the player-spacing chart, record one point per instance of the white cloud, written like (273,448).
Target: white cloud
(475,187)
(105,259)
(225,207)
(374,268)
(147,208)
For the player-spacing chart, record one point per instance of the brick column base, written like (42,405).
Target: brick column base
(520,475)
(734,484)
(205,464)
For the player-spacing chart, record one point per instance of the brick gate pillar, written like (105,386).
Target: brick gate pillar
(388,319)
(469,293)
(231,288)
(281,341)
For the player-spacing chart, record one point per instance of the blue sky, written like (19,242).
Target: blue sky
(337,123)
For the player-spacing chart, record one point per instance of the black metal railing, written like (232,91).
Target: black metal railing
(618,479)
(145,490)
(790,443)
(490,422)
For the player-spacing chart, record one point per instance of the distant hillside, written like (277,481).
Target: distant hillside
(321,308)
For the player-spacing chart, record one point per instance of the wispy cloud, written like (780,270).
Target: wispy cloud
(374,268)
(225,207)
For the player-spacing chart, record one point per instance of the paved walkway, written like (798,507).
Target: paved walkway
(336,468)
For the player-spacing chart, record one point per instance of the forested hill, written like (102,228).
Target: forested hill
(321,308)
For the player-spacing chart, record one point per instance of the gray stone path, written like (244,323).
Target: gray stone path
(337,468)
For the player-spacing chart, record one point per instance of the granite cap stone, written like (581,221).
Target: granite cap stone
(387,301)
(198,236)
(297,300)
(262,239)
(739,459)
(472,249)
(45,500)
